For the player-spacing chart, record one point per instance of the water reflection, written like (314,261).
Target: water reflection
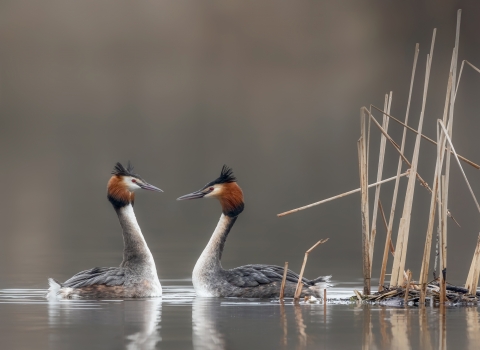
(234,323)
(181,321)
(425,339)
(300,325)
(146,317)
(473,326)
(135,324)
(206,329)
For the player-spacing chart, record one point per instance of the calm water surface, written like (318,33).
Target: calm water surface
(179,320)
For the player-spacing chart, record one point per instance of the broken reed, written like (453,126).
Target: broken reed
(298,289)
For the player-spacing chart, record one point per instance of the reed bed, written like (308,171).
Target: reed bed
(402,288)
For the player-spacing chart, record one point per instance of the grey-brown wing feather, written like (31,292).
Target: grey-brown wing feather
(257,274)
(109,276)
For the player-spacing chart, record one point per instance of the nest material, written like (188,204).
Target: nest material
(396,295)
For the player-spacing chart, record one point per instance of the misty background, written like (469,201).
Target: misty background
(179,88)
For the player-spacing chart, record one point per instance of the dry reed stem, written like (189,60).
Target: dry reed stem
(381,160)
(472,282)
(364,205)
(298,289)
(395,145)
(472,279)
(383,269)
(340,195)
(392,248)
(433,202)
(469,162)
(357,293)
(449,136)
(388,243)
(403,233)
(407,288)
(460,75)
(443,243)
(458,161)
(317,244)
(284,279)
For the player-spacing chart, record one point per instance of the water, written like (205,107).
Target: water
(179,320)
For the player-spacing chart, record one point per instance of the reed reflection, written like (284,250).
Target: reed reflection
(473,327)
(225,324)
(393,330)
(425,339)
(300,325)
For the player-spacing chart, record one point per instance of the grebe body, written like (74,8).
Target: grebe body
(136,277)
(210,279)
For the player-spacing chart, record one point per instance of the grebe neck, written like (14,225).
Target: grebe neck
(135,251)
(212,254)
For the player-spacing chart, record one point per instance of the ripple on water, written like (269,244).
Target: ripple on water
(180,320)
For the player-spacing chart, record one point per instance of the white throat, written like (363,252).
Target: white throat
(208,265)
(136,252)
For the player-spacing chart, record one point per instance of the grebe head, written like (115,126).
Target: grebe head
(123,183)
(225,189)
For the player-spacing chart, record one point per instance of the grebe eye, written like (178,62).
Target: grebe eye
(133,180)
(211,188)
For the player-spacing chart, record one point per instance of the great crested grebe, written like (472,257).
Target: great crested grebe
(137,275)
(249,281)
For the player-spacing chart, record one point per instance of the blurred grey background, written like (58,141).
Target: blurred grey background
(271,88)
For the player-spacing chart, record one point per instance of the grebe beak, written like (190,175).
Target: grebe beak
(193,195)
(148,187)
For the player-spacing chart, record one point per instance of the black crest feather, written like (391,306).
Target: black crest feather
(226,176)
(120,170)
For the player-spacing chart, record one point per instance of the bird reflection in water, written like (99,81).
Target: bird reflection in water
(145,316)
(224,324)
(206,333)
(134,324)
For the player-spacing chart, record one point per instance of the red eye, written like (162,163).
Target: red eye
(212,188)
(133,180)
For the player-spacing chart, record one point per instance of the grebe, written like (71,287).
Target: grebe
(137,275)
(249,281)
